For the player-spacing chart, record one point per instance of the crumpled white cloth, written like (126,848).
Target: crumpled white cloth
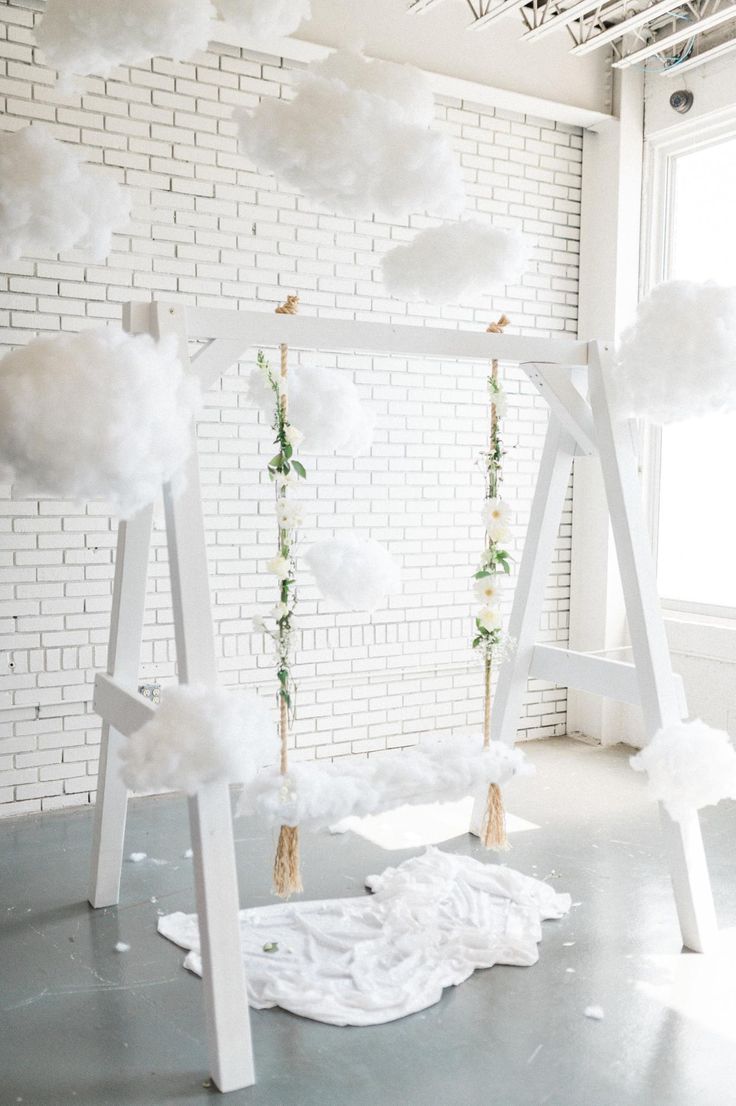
(362,961)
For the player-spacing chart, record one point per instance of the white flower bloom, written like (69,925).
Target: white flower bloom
(279,566)
(488,590)
(500,401)
(280,611)
(293,436)
(290,514)
(259,626)
(286,479)
(489,619)
(496,516)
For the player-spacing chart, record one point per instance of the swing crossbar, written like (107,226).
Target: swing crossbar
(300,332)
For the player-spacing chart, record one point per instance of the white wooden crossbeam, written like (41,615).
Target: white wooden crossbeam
(257,328)
(591,672)
(120,706)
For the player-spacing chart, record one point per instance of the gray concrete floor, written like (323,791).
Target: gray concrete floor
(81,1024)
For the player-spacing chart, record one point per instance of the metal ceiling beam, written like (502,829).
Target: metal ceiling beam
(675,37)
(495,12)
(564,18)
(629,24)
(699,59)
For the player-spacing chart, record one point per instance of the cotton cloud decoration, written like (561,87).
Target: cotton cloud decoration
(358,574)
(50,201)
(265,20)
(80,37)
(318,794)
(455,262)
(324,405)
(690,765)
(99,414)
(678,360)
(199,734)
(357,139)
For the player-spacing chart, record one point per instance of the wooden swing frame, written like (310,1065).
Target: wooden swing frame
(577,425)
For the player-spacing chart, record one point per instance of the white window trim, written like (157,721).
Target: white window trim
(660,154)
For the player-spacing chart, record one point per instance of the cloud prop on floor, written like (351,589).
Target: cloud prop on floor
(689,765)
(316,794)
(324,405)
(51,201)
(199,734)
(80,37)
(265,20)
(455,262)
(99,414)
(678,360)
(358,574)
(357,139)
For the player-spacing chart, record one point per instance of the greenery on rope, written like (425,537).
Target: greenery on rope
(490,639)
(285,470)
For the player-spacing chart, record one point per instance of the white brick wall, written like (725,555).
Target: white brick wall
(209,229)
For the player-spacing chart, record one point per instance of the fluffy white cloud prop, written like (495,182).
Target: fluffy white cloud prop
(678,359)
(199,734)
(690,765)
(324,405)
(356,573)
(50,201)
(455,262)
(357,139)
(99,414)
(314,794)
(265,20)
(93,36)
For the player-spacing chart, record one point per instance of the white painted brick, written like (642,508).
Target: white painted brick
(366,684)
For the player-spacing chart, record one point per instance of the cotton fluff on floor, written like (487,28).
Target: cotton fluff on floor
(430,923)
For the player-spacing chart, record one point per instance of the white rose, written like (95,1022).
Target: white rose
(293,436)
(280,611)
(489,619)
(279,566)
(289,513)
(259,626)
(500,401)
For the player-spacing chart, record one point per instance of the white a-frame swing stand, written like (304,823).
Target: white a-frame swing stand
(576,426)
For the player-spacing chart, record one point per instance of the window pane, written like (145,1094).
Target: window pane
(697,532)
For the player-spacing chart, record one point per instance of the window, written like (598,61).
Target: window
(696,516)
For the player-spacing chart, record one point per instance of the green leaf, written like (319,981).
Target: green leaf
(482,574)
(287,451)
(283,676)
(299,467)
(271,946)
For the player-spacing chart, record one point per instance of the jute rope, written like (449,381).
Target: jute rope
(286,869)
(493,829)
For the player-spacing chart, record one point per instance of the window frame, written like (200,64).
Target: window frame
(661,152)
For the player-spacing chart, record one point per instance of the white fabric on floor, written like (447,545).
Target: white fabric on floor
(361,961)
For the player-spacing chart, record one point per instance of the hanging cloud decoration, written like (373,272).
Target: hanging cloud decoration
(318,795)
(455,262)
(324,405)
(99,414)
(265,20)
(357,139)
(199,734)
(51,201)
(80,37)
(690,765)
(678,360)
(358,574)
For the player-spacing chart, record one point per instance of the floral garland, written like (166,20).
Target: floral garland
(285,470)
(490,640)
